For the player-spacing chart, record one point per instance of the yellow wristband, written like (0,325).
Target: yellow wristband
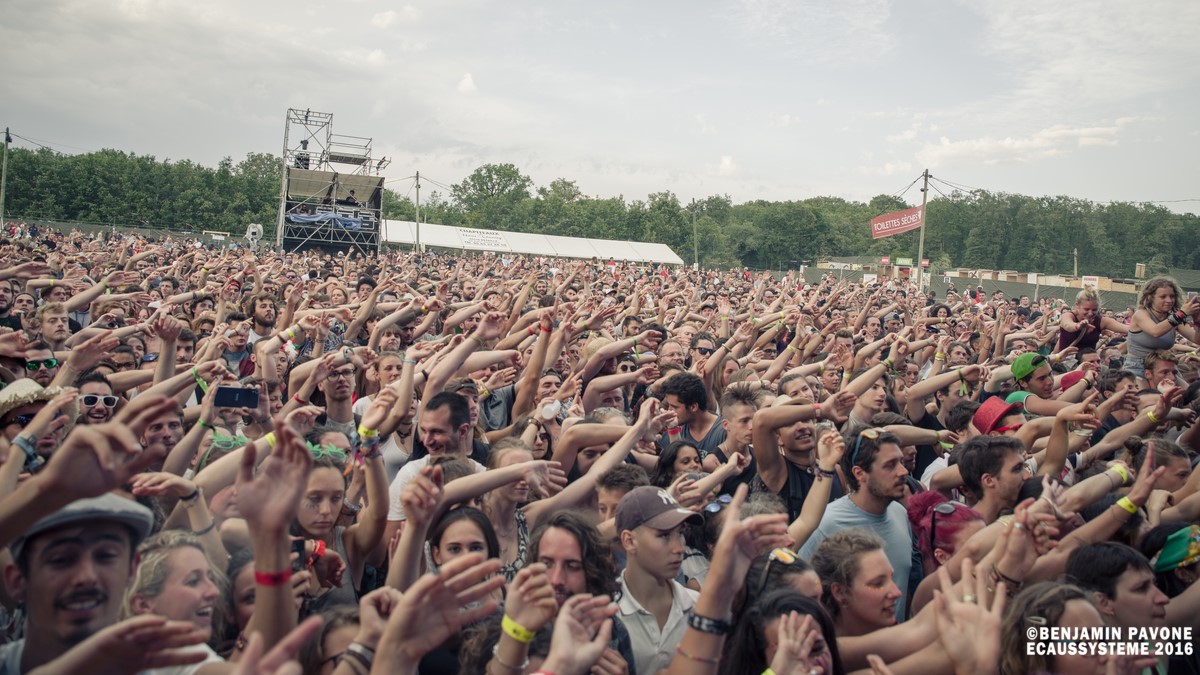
(1152,417)
(1121,470)
(1129,506)
(516,631)
(364,432)
(940,357)
(270,438)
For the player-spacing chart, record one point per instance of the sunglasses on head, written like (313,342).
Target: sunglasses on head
(90,400)
(871,433)
(34,366)
(149,358)
(784,557)
(946,509)
(222,441)
(718,504)
(327,450)
(1009,427)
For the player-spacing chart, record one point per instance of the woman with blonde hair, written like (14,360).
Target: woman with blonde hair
(176,580)
(1081,325)
(1160,315)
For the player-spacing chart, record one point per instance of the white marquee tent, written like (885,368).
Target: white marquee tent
(466,238)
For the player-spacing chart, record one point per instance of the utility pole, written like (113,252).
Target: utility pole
(695,238)
(921,240)
(1075,254)
(418,212)
(4,175)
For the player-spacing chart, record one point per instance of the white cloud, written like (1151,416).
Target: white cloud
(886,169)
(703,125)
(727,167)
(467,84)
(407,14)
(1049,142)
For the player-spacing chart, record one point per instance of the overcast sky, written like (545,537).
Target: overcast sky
(757,99)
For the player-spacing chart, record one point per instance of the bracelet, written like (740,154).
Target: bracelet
(705,624)
(424,309)
(889,363)
(201,533)
(1012,583)
(364,432)
(496,656)
(546,330)
(529,330)
(408,360)
(516,631)
(791,347)
(484,392)
(822,473)
(270,439)
(358,657)
(1127,504)
(273,579)
(205,425)
(1152,417)
(191,497)
(199,380)
(939,357)
(1119,468)
(297,399)
(712,661)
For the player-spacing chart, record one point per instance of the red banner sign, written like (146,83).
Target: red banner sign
(895,223)
(885,260)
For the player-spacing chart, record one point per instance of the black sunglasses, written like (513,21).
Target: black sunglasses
(705,351)
(23,420)
(946,509)
(34,366)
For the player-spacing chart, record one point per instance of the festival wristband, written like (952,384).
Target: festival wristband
(1121,470)
(1125,503)
(272,579)
(516,631)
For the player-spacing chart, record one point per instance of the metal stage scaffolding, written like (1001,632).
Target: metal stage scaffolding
(331,193)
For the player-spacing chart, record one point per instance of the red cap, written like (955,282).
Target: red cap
(991,412)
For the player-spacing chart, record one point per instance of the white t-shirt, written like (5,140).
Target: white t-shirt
(409,472)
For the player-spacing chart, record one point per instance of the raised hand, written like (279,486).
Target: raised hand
(268,500)
(431,611)
(530,598)
(162,483)
(422,496)
(99,458)
(969,627)
(581,634)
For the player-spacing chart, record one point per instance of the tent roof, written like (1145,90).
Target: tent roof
(466,238)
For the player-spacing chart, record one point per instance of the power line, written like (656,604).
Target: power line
(901,193)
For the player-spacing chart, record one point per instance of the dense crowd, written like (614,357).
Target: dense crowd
(216,460)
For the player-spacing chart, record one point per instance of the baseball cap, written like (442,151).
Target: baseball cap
(461,384)
(991,412)
(1024,365)
(1071,379)
(107,507)
(893,316)
(653,507)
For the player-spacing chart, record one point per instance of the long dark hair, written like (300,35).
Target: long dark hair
(466,513)
(746,650)
(664,471)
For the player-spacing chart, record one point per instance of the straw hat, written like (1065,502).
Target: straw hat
(25,391)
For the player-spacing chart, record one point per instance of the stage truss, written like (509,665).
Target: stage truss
(329,178)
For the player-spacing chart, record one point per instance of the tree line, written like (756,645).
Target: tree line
(972,229)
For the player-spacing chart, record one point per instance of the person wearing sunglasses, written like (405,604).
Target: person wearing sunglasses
(40,364)
(873,464)
(940,526)
(96,400)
